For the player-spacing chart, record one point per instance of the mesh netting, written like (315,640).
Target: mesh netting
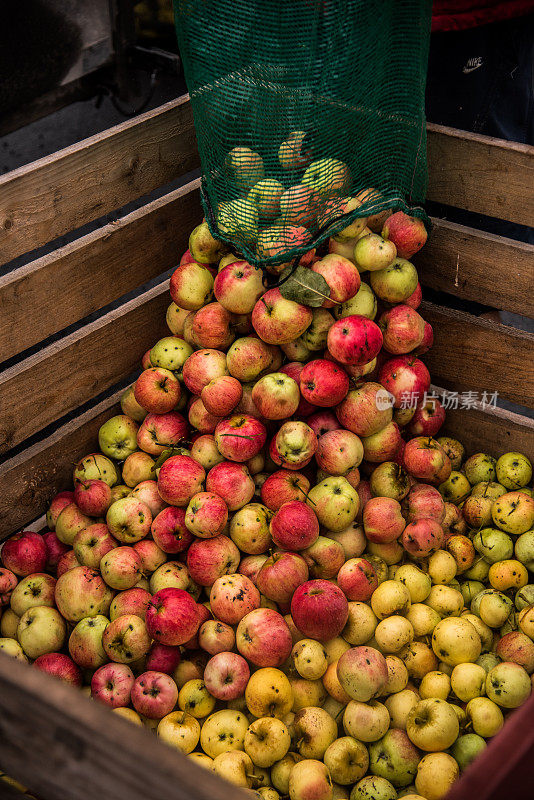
(300,106)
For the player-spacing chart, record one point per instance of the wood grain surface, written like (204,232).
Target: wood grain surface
(481,174)
(61,288)
(478,266)
(67,747)
(477,354)
(66,374)
(61,192)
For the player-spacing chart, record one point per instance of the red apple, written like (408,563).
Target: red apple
(206,515)
(423,501)
(180,477)
(226,676)
(157,432)
(382,520)
(154,694)
(93,498)
(354,340)
(157,390)
(384,445)
(341,275)
(251,565)
(238,286)
(402,328)
(240,437)
(323,421)
(406,378)
(279,321)
(162,658)
(67,562)
(91,544)
(365,410)
(215,637)
(172,617)
(338,452)
(232,597)
(208,559)
(408,234)
(319,609)
(169,530)
(112,685)
(130,601)
(324,558)
(231,481)
(426,460)
(282,486)
(323,383)
(414,300)
(59,502)
(212,327)
(54,550)
(357,580)
(191,286)
(221,395)
(428,419)
(8,581)
(203,366)
(280,575)
(248,358)
(24,553)
(263,638)
(60,666)
(200,418)
(294,526)
(422,538)
(426,342)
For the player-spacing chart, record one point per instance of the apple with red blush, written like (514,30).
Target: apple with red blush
(209,559)
(382,520)
(24,553)
(280,575)
(158,432)
(319,609)
(426,460)
(354,340)
(172,617)
(231,481)
(357,579)
(263,638)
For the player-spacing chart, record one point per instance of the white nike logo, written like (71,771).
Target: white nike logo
(472,64)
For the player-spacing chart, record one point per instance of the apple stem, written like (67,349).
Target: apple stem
(306,495)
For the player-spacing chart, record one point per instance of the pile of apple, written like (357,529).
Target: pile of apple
(271,562)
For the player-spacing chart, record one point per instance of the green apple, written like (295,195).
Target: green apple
(41,630)
(117,437)
(395,758)
(466,748)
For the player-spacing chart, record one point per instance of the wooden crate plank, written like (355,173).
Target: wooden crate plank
(478,266)
(481,355)
(63,191)
(66,374)
(66,285)
(29,480)
(481,174)
(491,430)
(85,752)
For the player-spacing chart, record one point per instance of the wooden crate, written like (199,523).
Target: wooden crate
(52,737)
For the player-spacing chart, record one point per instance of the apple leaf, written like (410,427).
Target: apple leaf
(305,287)
(167,453)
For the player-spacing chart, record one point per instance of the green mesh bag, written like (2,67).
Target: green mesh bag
(300,107)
